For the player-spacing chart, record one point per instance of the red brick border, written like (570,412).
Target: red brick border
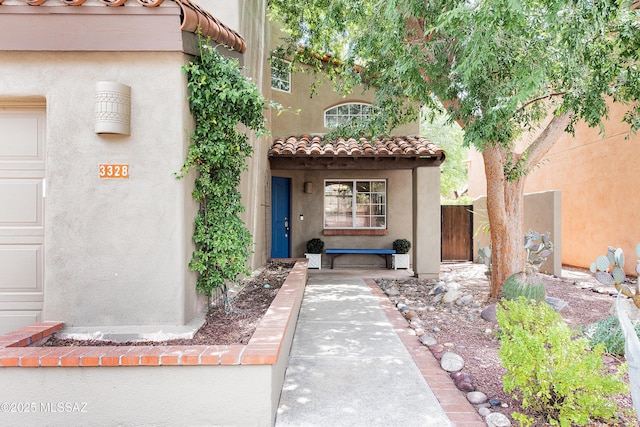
(453,401)
(20,348)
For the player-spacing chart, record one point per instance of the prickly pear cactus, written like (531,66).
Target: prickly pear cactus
(538,247)
(530,286)
(608,270)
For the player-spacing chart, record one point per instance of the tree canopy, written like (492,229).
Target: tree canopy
(448,136)
(502,68)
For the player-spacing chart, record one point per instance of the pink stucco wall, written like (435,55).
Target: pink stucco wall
(597,175)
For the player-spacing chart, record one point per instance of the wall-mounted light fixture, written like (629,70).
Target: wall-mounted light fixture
(113,108)
(308,187)
(301,217)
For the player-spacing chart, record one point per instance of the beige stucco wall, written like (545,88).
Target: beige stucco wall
(159,396)
(542,213)
(310,118)
(427,221)
(596,175)
(116,251)
(399,214)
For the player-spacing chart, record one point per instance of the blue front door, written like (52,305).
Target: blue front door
(280,217)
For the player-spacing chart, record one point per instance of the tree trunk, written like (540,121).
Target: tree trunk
(506,216)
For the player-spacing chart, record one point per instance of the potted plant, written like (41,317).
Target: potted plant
(401,257)
(314,253)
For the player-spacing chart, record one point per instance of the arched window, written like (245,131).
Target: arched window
(344,112)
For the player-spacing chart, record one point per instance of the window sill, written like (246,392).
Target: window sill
(354,232)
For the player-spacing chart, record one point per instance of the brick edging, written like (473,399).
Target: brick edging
(20,348)
(459,410)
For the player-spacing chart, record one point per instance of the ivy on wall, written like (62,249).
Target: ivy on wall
(220,98)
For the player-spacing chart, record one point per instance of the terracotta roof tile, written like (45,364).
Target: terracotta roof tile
(306,146)
(193,17)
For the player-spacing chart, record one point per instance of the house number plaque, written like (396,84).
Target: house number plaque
(111,170)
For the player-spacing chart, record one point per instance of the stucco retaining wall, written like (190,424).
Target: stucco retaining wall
(151,385)
(542,213)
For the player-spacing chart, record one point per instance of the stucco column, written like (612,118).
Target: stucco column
(426,222)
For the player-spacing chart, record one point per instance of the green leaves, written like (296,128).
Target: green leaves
(220,98)
(552,372)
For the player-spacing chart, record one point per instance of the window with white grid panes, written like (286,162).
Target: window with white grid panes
(355,204)
(280,74)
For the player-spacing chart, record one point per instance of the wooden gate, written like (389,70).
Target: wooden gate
(457,233)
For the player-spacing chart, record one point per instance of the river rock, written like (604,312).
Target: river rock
(476,397)
(450,296)
(556,303)
(496,419)
(451,362)
(392,292)
(428,340)
(484,411)
(489,313)
(465,300)
(409,315)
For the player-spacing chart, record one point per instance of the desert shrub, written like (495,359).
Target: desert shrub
(551,373)
(608,333)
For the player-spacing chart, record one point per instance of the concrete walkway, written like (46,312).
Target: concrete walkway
(349,364)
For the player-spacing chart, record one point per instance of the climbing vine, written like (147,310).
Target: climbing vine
(220,98)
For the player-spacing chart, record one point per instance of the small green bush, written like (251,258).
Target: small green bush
(315,246)
(608,333)
(551,373)
(401,246)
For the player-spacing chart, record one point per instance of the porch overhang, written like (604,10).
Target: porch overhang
(316,153)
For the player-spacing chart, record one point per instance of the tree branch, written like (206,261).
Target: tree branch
(543,143)
(540,98)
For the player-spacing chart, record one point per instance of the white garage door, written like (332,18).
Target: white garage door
(22,172)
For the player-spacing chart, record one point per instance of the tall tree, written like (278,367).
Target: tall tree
(502,69)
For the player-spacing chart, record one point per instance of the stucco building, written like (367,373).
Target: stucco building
(595,174)
(96,231)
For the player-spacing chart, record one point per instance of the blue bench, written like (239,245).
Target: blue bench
(386,253)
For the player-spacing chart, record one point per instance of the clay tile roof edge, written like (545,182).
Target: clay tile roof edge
(193,18)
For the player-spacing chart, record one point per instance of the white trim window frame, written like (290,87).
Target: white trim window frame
(280,75)
(355,204)
(342,113)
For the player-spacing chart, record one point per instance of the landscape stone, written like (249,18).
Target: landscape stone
(436,348)
(392,292)
(476,397)
(496,419)
(584,285)
(428,340)
(489,313)
(556,303)
(465,300)
(453,286)
(416,322)
(484,412)
(465,386)
(410,314)
(440,289)
(451,296)
(494,401)
(451,362)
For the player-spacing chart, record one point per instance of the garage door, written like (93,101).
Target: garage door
(22,173)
